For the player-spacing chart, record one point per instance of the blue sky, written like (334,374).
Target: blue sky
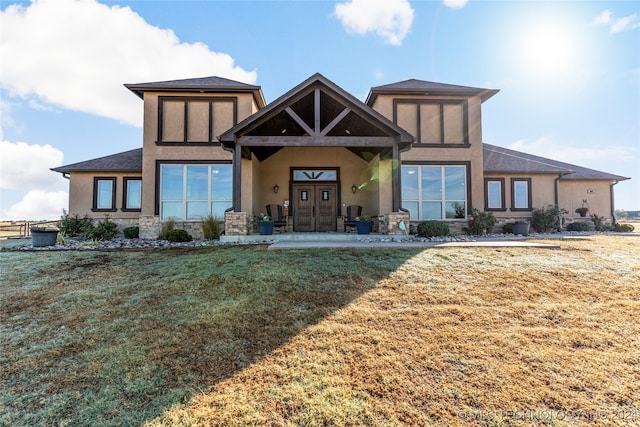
(568,72)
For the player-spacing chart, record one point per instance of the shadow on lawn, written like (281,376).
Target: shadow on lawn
(151,329)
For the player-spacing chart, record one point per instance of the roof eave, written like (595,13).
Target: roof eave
(140,89)
(484,94)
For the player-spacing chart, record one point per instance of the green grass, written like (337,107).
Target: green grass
(245,336)
(117,338)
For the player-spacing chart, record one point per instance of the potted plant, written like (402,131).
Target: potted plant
(582,211)
(363,225)
(265,224)
(43,236)
(520,227)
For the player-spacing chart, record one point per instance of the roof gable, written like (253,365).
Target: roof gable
(423,87)
(503,160)
(317,111)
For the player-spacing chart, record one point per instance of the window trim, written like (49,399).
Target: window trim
(96,183)
(513,195)
(467,167)
(441,103)
(125,193)
(159,164)
(503,206)
(212,139)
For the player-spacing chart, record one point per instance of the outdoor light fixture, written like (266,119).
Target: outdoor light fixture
(276,188)
(354,189)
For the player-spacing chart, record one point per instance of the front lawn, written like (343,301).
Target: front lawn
(242,335)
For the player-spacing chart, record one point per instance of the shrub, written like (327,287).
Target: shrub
(72,226)
(211,227)
(166,228)
(598,222)
(481,222)
(176,235)
(547,220)
(579,226)
(507,227)
(131,232)
(623,228)
(105,230)
(433,228)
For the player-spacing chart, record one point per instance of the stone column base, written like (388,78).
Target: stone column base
(149,226)
(394,222)
(236,223)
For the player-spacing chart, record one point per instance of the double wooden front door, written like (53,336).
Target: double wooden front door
(314,207)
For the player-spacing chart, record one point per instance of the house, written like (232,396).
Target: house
(412,151)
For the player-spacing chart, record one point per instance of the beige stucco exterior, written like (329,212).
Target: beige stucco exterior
(81,190)
(182,126)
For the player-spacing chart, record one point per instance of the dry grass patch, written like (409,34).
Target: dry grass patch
(458,337)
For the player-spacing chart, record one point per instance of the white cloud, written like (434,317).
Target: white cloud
(604,18)
(617,25)
(455,4)
(78,53)
(609,158)
(389,19)
(39,205)
(26,167)
(627,23)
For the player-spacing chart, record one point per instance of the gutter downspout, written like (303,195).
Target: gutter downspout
(556,196)
(613,203)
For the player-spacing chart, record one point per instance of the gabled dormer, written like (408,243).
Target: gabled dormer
(436,114)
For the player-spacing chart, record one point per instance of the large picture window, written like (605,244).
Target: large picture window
(104,194)
(193,191)
(435,192)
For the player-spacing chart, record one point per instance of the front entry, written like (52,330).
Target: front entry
(314,207)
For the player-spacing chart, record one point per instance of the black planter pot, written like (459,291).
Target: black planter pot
(364,227)
(520,227)
(265,227)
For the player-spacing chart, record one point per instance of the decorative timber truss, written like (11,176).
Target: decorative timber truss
(316,113)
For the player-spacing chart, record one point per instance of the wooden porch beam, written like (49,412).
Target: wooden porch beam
(316,112)
(317,141)
(299,121)
(335,122)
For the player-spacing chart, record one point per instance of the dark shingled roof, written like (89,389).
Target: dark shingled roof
(502,160)
(420,87)
(199,84)
(128,161)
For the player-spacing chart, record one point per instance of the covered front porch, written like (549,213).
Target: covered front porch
(311,154)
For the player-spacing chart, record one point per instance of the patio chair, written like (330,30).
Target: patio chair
(277,215)
(353,211)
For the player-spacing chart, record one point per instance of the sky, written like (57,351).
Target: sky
(568,73)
